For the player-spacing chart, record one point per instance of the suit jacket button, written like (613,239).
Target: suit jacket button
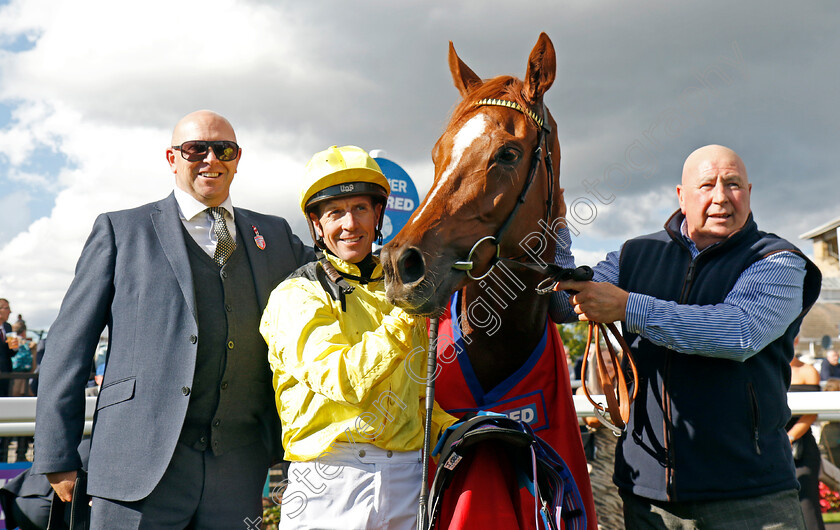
(185,390)
(224,385)
(193,339)
(216,423)
(230,344)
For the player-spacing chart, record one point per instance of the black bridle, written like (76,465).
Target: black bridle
(615,388)
(552,272)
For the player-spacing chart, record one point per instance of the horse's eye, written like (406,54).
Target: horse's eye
(508,155)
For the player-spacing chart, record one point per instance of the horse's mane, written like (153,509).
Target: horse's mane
(502,87)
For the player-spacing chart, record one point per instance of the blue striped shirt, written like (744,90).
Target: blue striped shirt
(765,299)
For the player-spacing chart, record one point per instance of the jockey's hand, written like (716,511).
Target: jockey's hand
(63,483)
(561,200)
(596,301)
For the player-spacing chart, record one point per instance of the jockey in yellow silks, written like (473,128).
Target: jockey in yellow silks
(349,367)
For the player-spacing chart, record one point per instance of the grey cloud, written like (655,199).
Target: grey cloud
(639,86)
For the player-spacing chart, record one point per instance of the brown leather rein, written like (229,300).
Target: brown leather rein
(612,379)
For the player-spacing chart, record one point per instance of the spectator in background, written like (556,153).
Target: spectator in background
(599,445)
(5,365)
(806,454)
(22,362)
(39,355)
(830,367)
(569,363)
(830,434)
(576,371)
(7,347)
(97,368)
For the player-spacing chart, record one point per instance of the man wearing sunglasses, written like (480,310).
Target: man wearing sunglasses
(185,427)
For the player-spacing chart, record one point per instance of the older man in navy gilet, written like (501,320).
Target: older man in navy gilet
(710,306)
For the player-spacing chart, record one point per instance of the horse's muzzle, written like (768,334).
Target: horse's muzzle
(410,266)
(406,282)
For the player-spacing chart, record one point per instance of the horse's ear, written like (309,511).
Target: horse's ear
(465,79)
(542,67)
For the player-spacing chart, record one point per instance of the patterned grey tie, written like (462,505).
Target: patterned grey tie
(224,243)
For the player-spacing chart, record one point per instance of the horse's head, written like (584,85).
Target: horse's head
(482,165)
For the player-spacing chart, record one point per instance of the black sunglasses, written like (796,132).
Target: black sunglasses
(196,150)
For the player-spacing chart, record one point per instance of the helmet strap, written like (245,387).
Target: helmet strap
(378,232)
(343,288)
(319,242)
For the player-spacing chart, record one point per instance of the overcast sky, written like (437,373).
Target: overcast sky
(90,90)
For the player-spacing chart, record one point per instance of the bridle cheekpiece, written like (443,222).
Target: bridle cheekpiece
(544,130)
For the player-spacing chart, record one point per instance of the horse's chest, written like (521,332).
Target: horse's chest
(493,363)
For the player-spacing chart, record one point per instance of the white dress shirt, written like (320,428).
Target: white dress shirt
(198,221)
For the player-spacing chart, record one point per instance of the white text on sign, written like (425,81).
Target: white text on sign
(400,203)
(398,185)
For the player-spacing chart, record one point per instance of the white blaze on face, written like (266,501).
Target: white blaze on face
(469,133)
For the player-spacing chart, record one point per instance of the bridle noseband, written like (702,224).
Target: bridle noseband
(552,272)
(544,130)
(615,387)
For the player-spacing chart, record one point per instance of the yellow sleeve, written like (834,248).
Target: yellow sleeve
(305,340)
(441,420)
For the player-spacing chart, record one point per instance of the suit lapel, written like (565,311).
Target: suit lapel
(256,257)
(170,233)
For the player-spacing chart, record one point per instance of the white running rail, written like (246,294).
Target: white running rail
(17,415)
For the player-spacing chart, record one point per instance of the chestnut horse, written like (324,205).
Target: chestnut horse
(495,194)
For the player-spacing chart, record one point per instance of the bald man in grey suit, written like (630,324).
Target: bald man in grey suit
(185,422)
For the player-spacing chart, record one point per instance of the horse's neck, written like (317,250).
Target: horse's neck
(501,338)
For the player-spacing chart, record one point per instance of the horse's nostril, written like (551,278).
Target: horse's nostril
(410,265)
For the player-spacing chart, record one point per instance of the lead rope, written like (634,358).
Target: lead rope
(614,385)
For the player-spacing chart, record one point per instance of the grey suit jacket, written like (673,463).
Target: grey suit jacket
(134,277)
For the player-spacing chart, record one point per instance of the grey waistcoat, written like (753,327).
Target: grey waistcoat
(231,391)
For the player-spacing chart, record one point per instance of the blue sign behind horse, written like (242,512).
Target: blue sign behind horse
(402,202)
